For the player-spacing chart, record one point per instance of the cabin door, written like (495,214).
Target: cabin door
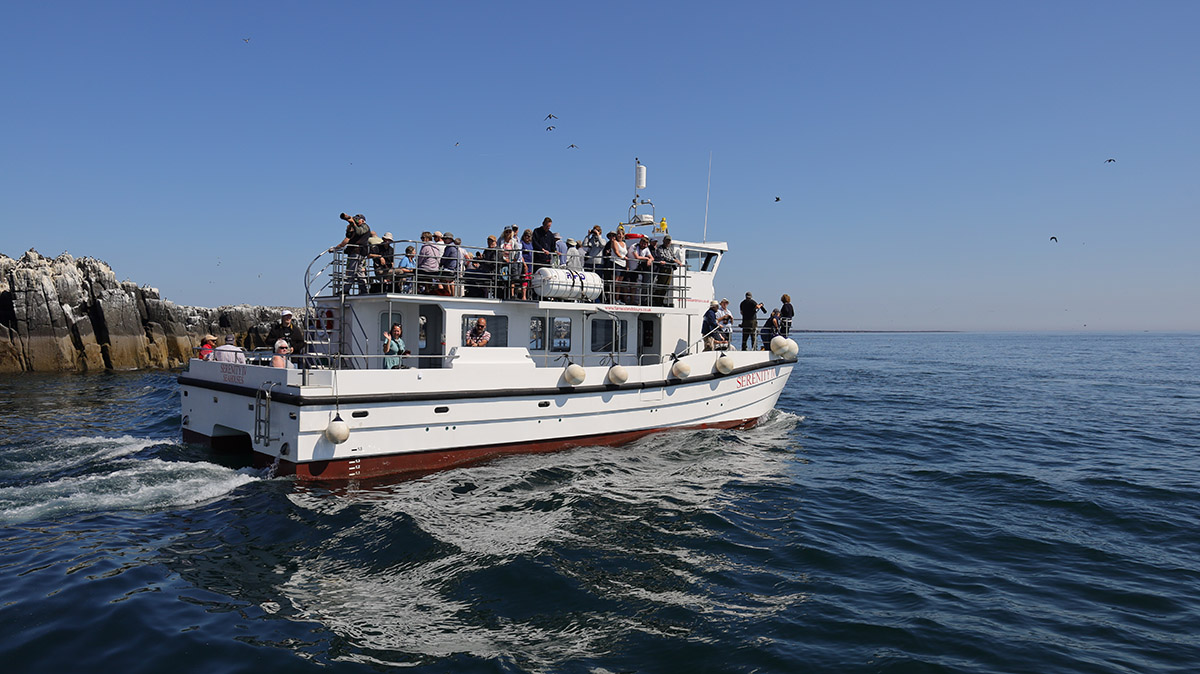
(431,340)
(648,340)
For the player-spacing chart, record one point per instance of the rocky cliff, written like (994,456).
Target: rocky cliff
(72,315)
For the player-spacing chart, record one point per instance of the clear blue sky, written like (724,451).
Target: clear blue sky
(924,152)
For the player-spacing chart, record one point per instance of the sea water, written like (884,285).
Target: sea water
(917,503)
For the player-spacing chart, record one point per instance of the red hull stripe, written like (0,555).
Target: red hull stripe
(424,462)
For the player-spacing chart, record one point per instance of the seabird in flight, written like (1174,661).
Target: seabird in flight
(1054,239)
(549,117)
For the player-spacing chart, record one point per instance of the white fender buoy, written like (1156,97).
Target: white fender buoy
(724,363)
(337,432)
(778,345)
(681,369)
(575,374)
(618,375)
(793,348)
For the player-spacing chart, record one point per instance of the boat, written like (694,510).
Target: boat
(582,360)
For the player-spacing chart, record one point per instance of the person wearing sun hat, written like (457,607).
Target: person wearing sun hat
(206,347)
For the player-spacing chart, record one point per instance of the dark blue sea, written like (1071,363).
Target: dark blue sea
(917,503)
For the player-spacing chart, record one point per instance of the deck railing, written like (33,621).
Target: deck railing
(488,273)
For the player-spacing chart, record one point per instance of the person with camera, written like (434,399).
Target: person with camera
(749,310)
(357,245)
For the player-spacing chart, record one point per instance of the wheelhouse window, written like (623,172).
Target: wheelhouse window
(701,260)
(602,335)
(496,325)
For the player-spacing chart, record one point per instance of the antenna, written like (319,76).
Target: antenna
(707,190)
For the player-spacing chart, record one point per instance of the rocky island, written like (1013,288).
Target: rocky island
(68,314)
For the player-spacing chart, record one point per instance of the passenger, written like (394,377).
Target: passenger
(482,272)
(280,359)
(593,249)
(725,320)
(479,335)
(429,261)
(786,313)
(382,256)
(511,266)
(667,260)
(543,244)
(638,271)
(617,264)
(229,352)
(405,269)
(206,347)
(770,329)
(710,328)
(749,309)
(527,252)
(560,249)
(573,259)
(452,264)
(356,244)
(393,347)
(287,330)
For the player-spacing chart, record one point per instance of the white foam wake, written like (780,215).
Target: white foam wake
(131,484)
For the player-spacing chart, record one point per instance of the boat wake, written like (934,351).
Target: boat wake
(560,522)
(69,476)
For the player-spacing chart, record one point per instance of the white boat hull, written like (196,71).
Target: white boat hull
(396,427)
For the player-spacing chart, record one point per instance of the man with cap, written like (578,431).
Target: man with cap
(725,319)
(452,263)
(287,330)
(229,352)
(357,245)
(666,261)
(749,309)
(383,256)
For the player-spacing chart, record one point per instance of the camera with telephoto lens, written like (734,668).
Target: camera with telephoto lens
(344,217)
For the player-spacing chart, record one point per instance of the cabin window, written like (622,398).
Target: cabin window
(700,260)
(537,334)
(387,318)
(559,338)
(602,335)
(497,325)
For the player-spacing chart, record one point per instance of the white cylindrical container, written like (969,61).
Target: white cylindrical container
(681,369)
(618,375)
(574,374)
(639,182)
(565,284)
(724,363)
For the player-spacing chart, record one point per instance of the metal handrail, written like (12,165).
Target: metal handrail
(498,282)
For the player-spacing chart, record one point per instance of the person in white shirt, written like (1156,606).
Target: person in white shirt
(229,352)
